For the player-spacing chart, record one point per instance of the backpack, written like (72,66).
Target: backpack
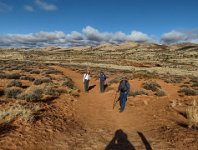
(124,86)
(102,77)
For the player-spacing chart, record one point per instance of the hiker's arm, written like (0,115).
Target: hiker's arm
(84,78)
(118,89)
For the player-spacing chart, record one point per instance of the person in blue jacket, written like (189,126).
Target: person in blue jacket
(102,78)
(124,89)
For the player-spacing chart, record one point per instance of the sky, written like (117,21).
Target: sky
(64,23)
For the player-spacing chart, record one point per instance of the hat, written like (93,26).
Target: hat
(124,78)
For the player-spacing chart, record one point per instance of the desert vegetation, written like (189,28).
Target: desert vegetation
(42,92)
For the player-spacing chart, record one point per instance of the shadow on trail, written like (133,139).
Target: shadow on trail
(145,141)
(105,86)
(120,142)
(91,87)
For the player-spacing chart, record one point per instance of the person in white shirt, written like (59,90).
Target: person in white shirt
(86,79)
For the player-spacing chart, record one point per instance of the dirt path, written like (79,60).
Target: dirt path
(95,111)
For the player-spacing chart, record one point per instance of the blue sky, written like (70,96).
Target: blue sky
(82,22)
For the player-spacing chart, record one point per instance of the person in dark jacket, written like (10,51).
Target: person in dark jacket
(123,88)
(102,78)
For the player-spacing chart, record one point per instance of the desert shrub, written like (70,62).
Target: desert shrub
(14,83)
(173,79)
(27,69)
(13,76)
(74,92)
(194,81)
(27,78)
(188,91)
(40,81)
(37,82)
(192,116)
(33,94)
(151,86)
(68,82)
(52,91)
(115,80)
(9,76)
(12,92)
(160,93)
(51,71)
(138,92)
(1,92)
(2,75)
(35,72)
(145,75)
(46,80)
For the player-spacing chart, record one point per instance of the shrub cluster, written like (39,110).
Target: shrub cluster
(188,91)
(33,94)
(12,92)
(14,83)
(151,86)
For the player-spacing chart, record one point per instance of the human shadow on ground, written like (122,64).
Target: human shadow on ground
(120,142)
(105,86)
(145,141)
(91,87)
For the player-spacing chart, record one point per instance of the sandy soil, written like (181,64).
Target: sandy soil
(90,122)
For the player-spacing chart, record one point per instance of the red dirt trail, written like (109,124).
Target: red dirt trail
(95,111)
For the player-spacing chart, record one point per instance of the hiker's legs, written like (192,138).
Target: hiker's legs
(123,98)
(86,85)
(101,86)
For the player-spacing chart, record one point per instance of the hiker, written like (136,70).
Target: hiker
(102,78)
(86,79)
(124,88)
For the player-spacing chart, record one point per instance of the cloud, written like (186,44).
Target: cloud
(179,36)
(94,35)
(173,37)
(139,37)
(88,36)
(29,8)
(118,37)
(46,6)
(40,39)
(4,7)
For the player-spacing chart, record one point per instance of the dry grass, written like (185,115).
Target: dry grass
(192,116)
(19,111)
(138,92)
